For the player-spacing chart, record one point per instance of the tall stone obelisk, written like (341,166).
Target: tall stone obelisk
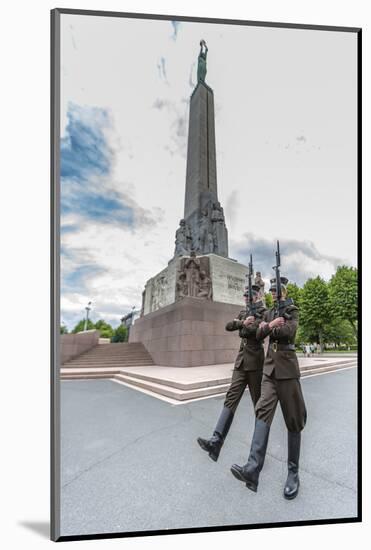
(186,305)
(204,226)
(201,183)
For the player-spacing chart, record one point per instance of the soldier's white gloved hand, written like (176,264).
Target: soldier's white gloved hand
(278,322)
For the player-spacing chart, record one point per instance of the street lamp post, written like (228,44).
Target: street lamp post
(131,321)
(88,308)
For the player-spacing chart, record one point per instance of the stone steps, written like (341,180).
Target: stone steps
(171,391)
(122,363)
(109,357)
(184,391)
(140,362)
(337,364)
(94,359)
(112,355)
(319,370)
(177,384)
(93,353)
(88,376)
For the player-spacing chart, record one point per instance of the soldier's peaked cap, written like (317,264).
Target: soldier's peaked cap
(255,288)
(284,281)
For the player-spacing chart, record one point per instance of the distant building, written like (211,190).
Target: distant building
(129,319)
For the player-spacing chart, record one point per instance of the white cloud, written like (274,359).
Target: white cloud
(272,87)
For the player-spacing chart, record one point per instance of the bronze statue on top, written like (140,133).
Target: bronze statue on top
(201,69)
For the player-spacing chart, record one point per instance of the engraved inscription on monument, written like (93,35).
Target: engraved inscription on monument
(236,283)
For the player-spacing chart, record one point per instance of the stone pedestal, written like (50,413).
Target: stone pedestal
(227,280)
(189,333)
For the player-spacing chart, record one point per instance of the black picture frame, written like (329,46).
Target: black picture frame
(55,269)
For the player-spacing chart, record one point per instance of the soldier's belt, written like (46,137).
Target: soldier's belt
(281,347)
(252,345)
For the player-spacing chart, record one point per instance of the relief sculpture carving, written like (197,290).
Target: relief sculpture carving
(193,278)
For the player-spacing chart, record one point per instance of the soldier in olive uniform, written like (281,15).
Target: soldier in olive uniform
(247,371)
(280,383)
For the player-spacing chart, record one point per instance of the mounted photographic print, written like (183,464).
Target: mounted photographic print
(205,354)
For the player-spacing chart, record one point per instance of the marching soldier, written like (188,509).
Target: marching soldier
(247,369)
(280,383)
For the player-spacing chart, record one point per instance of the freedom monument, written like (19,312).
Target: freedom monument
(185,307)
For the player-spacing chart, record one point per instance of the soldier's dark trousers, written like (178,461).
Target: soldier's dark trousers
(288,393)
(240,379)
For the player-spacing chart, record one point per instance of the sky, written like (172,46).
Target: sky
(286,147)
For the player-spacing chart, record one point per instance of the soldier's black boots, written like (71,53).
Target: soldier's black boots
(293,447)
(249,473)
(215,443)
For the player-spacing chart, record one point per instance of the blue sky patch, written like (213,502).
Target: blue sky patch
(86,163)
(75,281)
(84,150)
(69,228)
(87,196)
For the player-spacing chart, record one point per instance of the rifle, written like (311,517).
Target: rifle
(278,275)
(279,304)
(252,306)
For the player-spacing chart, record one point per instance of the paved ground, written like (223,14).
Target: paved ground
(131,462)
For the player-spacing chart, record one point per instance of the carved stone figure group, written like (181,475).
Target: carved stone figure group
(206,236)
(183,239)
(193,281)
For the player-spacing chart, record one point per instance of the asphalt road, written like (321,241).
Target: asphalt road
(130,462)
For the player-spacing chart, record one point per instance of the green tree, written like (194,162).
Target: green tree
(105,329)
(339,333)
(294,292)
(268,299)
(315,310)
(343,294)
(81,324)
(300,338)
(63,329)
(106,333)
(120,334)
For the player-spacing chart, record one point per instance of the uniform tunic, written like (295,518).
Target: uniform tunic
(248,366)
(281,372)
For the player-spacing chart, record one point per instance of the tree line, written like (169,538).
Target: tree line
(119,334)
(328,311)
